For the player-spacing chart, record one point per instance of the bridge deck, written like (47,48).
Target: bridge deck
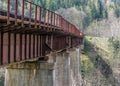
(32,36)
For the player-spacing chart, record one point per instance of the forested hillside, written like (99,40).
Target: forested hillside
(100,19)
(87,15)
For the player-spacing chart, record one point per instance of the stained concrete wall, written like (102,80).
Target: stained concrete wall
(29,74)
(67,70)
(62,69)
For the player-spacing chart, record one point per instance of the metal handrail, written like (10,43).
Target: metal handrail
(38,14)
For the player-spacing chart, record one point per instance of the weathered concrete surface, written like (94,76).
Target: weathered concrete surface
(29,74)
(67,68)
(62,69)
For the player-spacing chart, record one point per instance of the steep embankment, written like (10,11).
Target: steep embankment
(99,66)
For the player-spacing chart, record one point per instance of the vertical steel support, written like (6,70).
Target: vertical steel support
(40,45)
(9,44)
(37,45)
(2,34)
(14,47)
(34,45)
(20,51)
(25,47)
(29,45)
(1,48)
(51,19)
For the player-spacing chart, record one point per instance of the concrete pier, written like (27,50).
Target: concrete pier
(61,69)
(67,70)
(29,74)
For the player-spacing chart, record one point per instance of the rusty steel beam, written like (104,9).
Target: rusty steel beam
(18,43)
(56,21)
(29,45)
(9,44)
(20,49)
(37,47)
(33,45)
(40,17)
(30,14)
(19,52)
(25,47)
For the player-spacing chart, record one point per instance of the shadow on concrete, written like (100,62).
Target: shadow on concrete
(2,81)
(100,63)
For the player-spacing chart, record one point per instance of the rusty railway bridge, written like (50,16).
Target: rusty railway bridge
(33,36)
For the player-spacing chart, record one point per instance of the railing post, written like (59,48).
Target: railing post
(8,12)
(35,16)
(54,19)
(40,18)
(61,22)
(65,26)
(48,17)
(68,26)
(57,20)
(22,13)
(51,19)
(30,15)
(44,16)
(16,11)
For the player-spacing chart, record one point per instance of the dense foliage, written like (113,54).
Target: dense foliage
(94,9)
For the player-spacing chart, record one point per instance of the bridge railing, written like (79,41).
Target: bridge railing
(26,12)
